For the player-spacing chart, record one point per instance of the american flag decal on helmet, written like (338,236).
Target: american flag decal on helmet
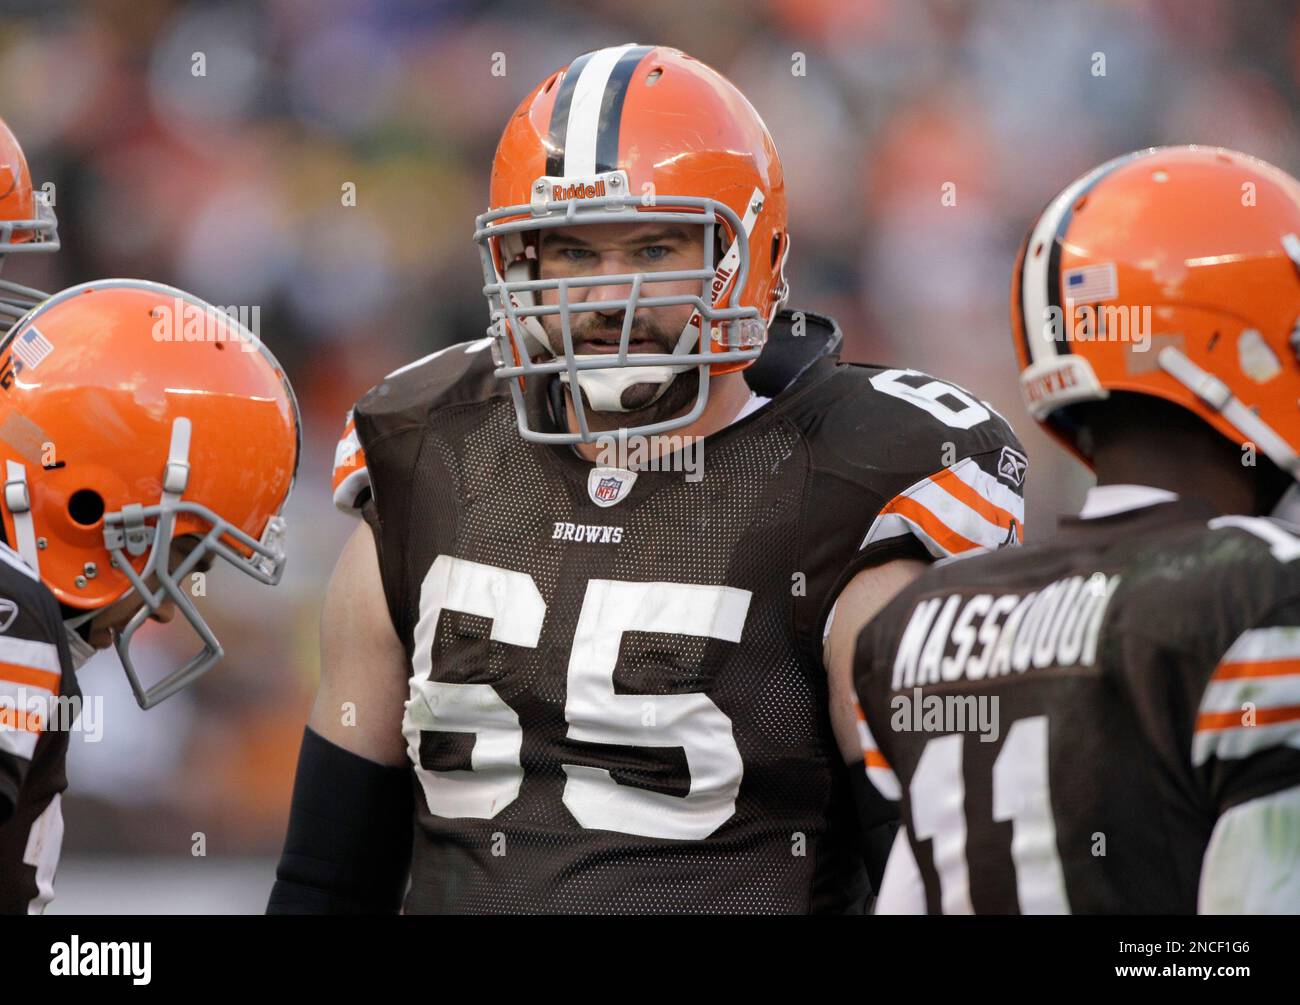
(31,347)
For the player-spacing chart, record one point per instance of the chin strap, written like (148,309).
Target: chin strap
(78,648)
(18,500)
(19,503)
(1218,396)
(176,476)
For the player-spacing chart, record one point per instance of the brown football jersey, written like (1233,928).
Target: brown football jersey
(34,667)
(1065,723)
(617,699)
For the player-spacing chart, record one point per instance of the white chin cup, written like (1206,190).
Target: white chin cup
(604,387)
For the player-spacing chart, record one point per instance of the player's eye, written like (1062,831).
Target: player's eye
(575,255)
(656,252)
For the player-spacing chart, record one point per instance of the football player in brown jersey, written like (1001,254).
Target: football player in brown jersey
(129,463)
(1109,722)
(580,656)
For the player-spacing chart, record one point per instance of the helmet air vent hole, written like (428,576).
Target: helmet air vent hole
(776,248)
(653,76)
(86,507)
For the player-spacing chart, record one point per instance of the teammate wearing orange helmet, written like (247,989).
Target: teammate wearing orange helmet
(27,223)
(132,458)
(1143,667)
(609,687)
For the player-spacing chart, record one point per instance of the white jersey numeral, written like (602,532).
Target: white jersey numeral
(511,601)
(1020,794)
(927,396)
(594,712)
(938,795)
(690,721)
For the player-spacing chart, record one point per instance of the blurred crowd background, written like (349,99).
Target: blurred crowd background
(229,185)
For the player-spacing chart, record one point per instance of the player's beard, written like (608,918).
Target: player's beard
(640,406)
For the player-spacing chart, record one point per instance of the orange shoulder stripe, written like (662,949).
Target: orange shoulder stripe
(931,524)
(47,679)
(1210,721)
(1256,668)
(951,483)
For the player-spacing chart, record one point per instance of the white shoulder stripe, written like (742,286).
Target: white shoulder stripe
(990,488)
(1251,692)
(1281,642)
(1242,741)
(959,517)
(890,525)
(29,653)
(18,742)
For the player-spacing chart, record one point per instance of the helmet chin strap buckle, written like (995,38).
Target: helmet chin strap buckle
(273,541)
(1209,388)
(133,535)
(18,501)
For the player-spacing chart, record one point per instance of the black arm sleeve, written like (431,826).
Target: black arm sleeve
(878,818)
(348,849)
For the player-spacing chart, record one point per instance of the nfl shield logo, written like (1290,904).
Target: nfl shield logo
(607,489)
(608,486)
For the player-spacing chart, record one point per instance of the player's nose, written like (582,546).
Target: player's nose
(611,292)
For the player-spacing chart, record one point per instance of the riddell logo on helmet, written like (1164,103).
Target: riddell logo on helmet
(720,280)
(561,192)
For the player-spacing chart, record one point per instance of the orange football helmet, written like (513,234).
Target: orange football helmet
(1172,272)
(27,221)
(634,134)
(132,414)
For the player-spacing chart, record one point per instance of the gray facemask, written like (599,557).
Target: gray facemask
(720,329)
